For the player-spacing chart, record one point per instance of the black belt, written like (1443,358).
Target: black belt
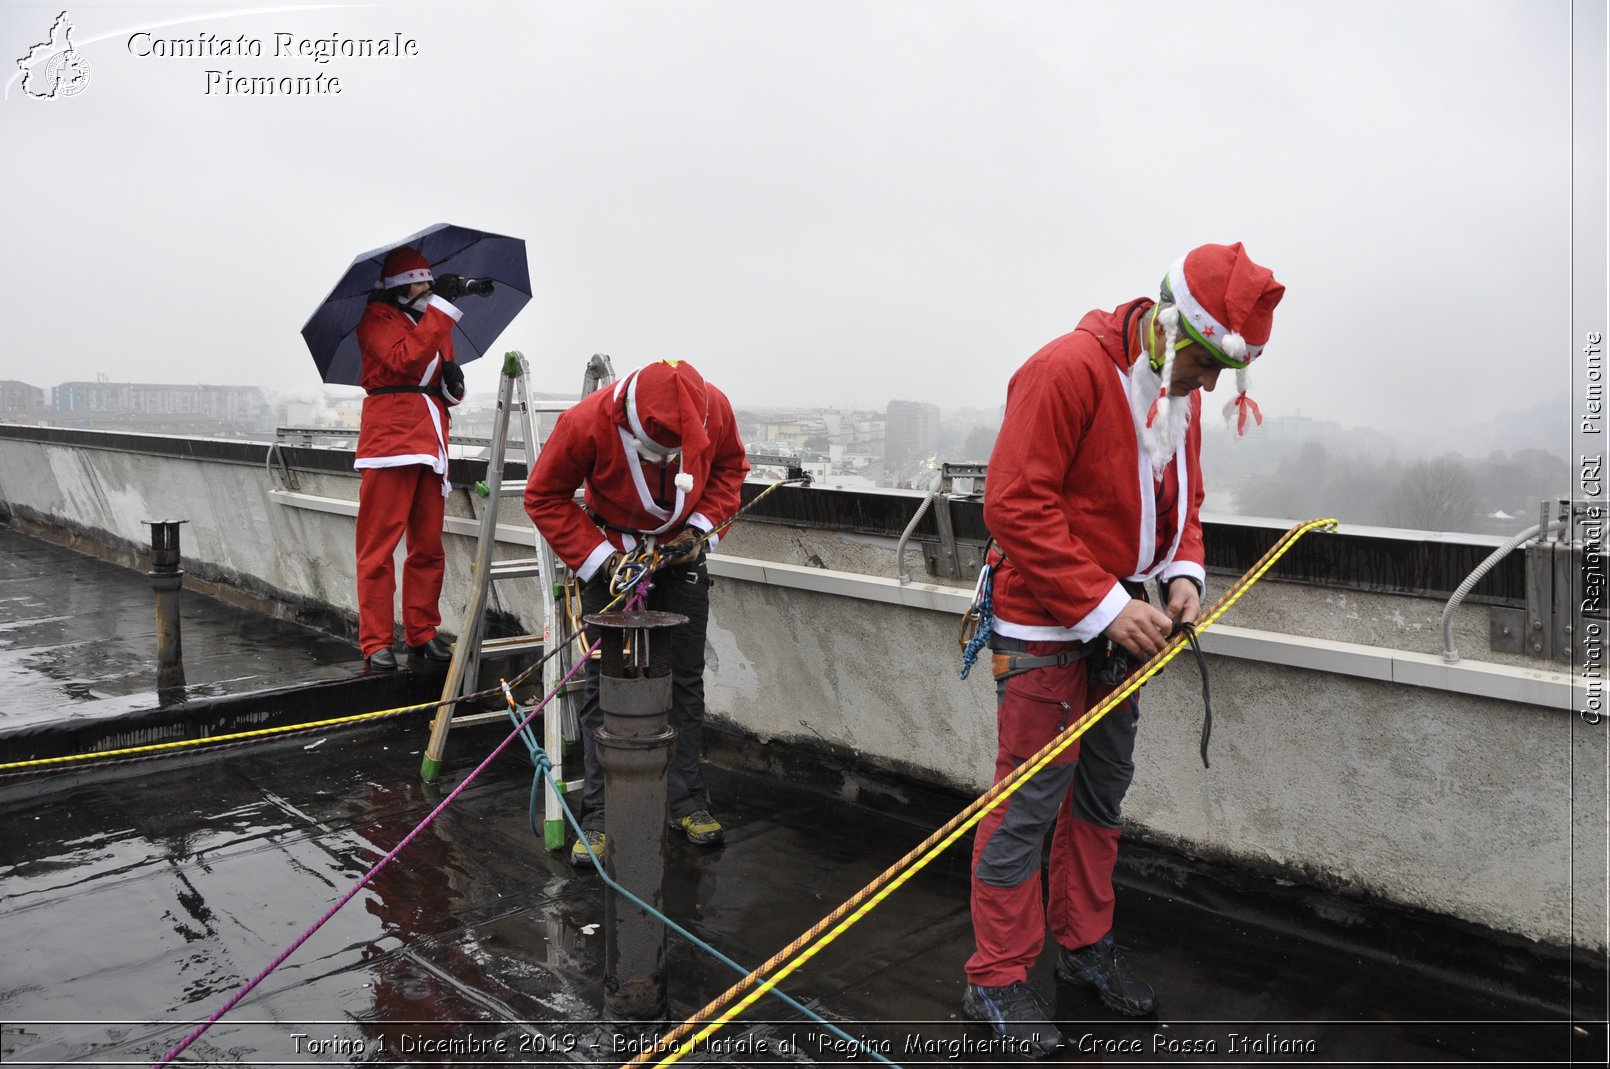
(429,391)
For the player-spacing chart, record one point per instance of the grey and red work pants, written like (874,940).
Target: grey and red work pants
(1076,799)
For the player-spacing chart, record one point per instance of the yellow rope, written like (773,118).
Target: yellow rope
(875,892)
(233,737)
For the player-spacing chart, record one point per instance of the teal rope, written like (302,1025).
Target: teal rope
(544,766)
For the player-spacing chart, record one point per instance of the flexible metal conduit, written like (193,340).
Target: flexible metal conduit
(900,572)
(1449,653)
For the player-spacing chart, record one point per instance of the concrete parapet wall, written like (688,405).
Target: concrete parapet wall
(1327,766)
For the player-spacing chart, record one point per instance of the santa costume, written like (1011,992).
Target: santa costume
(657,454)
(402,453)
(1094,487)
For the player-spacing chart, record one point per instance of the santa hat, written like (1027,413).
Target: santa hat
(667,408)
(1225,303)
(404,267)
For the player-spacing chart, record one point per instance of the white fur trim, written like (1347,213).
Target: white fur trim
(1184,568)
(702,522)
(408,278)
(644,498)
(637,427)
(400,461)
(595,560)
(684,481)
(442,304)
(1092,625)
(1148,513)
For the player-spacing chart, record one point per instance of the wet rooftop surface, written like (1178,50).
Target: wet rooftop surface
(78,640)
(135,900)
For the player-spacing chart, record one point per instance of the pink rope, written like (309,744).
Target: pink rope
(370,875)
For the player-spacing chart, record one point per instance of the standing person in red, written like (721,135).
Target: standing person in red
(658,455)
(408,373)
(1094,488)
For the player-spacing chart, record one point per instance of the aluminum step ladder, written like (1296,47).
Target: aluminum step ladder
(560,721)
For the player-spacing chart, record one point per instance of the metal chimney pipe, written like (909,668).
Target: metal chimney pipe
(634,751)
(167,578)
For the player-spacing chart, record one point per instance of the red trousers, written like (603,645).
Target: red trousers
(393,504)
(1075,801)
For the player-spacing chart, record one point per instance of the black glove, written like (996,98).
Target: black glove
(453,379)
(448,287)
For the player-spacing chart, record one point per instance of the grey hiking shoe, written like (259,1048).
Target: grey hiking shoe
(1018,1018)
(1102,966)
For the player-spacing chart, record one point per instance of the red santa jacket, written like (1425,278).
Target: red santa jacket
(1071,498)
(405,428)
(591,447)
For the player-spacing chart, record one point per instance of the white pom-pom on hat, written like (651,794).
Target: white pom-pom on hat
(684,481)
(1234,346)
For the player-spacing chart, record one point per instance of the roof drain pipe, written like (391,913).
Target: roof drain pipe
(905,536)
(1450,655)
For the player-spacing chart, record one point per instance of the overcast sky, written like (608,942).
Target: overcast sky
(821,202)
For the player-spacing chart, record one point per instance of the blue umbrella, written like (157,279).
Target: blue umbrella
(331,332)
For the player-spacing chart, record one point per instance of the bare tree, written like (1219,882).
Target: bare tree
(1435,495)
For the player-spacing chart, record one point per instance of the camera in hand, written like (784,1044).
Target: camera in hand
(452,287)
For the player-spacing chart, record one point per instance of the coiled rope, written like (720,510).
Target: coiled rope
(688,1034)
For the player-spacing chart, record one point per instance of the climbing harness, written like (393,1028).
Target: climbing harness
(1005,664)
(689,1034)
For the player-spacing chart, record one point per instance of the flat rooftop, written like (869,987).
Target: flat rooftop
(137,899)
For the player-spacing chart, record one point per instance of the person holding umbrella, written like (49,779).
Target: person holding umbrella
(405,339)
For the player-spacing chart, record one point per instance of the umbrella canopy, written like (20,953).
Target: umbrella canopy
(331,332)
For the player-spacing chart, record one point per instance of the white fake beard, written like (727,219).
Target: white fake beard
(1161,440)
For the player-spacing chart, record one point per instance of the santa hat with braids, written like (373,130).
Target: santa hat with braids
(1225,303)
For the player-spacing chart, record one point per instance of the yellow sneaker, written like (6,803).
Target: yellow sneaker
(579,858)
(700,827)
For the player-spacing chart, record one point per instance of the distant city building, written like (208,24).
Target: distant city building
(245,406)
(20,399)
(910,438)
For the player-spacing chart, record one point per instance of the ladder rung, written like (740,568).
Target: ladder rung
(481,718)
(543,406)
(515,569)
(511,644)
(512,489)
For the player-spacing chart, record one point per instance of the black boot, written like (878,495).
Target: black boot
(1018,1018)
(1101,966)
(381,660)
(432,652)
